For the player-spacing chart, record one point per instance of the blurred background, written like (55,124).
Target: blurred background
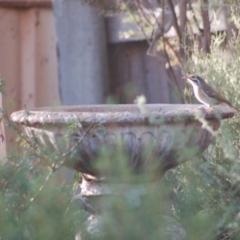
(94,52)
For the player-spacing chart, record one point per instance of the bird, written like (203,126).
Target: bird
(205,93)
(164,21)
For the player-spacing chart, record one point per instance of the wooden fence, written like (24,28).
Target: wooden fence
(28,59)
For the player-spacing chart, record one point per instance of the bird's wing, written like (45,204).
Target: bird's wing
(211,92)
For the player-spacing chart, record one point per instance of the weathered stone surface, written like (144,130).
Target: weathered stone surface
(106,114)
(156,138)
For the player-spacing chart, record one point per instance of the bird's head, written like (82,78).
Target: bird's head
(195,80)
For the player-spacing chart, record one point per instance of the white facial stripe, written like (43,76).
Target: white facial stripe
(193,83)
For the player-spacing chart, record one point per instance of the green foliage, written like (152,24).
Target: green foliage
(32,207)
(210,188)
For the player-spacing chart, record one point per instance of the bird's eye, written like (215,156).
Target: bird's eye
(194,79)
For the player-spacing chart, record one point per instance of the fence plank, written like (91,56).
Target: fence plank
(46,60)
(3,150)
(28,59)
(9,62)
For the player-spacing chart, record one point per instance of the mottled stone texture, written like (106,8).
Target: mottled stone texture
(155,138)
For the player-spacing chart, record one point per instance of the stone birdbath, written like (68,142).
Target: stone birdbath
(154,137)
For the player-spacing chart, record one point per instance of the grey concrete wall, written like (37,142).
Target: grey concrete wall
(82,53)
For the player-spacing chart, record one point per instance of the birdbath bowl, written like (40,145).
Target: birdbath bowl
(151,138)
(159,135)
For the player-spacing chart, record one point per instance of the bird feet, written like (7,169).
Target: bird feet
(205,108)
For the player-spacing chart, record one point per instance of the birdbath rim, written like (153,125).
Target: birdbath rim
(122,113)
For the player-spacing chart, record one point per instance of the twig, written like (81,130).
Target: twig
(80,140)
(175,20)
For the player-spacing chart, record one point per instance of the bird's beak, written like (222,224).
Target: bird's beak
(187,77)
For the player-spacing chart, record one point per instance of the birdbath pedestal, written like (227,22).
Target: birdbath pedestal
(154,137)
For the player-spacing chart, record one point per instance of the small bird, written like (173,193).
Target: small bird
(205,93)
